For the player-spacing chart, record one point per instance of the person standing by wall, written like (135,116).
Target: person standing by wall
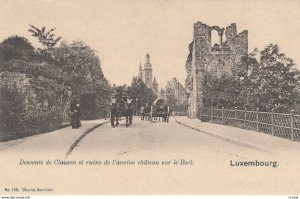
(75,114)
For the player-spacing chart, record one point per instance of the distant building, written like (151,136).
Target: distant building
(176,89)
(155,86)
(140,75)
(145,74)
(162,94)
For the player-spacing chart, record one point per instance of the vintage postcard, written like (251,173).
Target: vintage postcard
(160,97)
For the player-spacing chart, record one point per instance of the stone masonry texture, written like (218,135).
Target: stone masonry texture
(207,59)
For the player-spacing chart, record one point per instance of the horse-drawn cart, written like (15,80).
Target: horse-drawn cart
(160,109)
(121,107)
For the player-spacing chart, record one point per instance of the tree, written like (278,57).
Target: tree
(47,39)
(266,80)
(16,47)
(222,91)
(138,89)
(245,73)
(81,64)
(86,79)
(271,80)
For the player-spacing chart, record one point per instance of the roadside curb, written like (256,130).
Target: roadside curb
(7,139)
(227,139)
(64,125)
(83,134)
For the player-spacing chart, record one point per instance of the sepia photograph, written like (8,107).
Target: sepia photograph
(149,98)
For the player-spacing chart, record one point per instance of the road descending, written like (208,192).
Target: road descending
(161,158)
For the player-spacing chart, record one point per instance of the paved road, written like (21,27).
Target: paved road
(133,153)
(158,140)
(209,173)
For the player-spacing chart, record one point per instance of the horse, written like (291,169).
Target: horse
(128,114)
(119,108)
(114,115)
(147,111)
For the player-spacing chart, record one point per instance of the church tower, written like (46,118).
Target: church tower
(140,75)
(147,72)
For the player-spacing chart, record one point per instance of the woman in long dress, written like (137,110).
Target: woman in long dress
(75,115)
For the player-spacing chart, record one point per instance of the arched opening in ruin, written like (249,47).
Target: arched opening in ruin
(215,40)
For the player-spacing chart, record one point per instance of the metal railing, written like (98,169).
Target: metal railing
(276,124)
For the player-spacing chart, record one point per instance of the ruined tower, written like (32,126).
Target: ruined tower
(147,72)
(207,59)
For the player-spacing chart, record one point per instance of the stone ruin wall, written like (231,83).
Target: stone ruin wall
(33,101)
(206,60)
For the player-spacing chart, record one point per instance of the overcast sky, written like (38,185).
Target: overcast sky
(123,31)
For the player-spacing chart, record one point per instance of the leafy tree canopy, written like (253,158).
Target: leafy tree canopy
(138,89)
(16,47)
(82,64)
(46,38)
(264,79)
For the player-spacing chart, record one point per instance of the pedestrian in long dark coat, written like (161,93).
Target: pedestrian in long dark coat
(75,115)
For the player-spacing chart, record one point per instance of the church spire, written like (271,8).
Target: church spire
(140,75)
(147,72)
(147,64)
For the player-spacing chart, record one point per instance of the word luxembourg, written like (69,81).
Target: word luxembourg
(253,164)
